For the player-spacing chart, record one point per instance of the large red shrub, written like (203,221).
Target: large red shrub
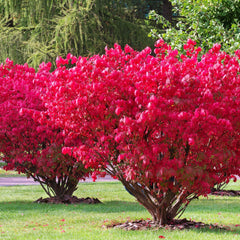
(167,126)
(29,146)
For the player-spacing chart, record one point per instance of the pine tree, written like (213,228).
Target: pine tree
(34,31)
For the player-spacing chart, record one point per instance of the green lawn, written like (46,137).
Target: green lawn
(21,219)
(4,173)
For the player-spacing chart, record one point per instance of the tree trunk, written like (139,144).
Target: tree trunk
(162,209)
(167,10)
(63,187)
(57,187)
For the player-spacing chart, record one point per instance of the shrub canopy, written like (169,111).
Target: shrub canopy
(29,146)
(167,126)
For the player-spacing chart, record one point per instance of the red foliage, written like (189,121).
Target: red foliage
(29,146)
(169,123)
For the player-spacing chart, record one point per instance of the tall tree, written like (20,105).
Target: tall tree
(34,31)
(205,21)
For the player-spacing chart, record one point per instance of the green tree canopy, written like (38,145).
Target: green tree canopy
(34,31)
(205,21)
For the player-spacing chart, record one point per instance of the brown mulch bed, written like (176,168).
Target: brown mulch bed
(178,224)
(232,193)
(68,200)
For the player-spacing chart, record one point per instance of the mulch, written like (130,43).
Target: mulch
(68,200)
(231,193)
(178,224)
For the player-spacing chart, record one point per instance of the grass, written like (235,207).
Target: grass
(22,219)
(4,173)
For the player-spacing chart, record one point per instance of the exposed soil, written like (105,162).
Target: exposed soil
(68,200)
(175,225)
(232,193)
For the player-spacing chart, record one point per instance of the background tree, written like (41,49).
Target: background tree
(31,147)
(206,22)
(33,31)
(167,126)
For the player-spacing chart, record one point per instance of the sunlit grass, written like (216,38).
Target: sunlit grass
(22,219)
(4,173)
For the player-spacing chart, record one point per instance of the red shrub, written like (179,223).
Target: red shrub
(29,146)
(167,126)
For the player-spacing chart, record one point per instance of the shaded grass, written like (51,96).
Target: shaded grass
(22,219)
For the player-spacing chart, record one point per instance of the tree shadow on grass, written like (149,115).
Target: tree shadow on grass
(117,207)
(105,207)
(225,205)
